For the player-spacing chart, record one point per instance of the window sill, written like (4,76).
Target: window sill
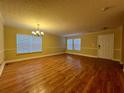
(28,53)
(74,50)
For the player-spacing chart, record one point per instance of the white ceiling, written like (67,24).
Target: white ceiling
(63,16)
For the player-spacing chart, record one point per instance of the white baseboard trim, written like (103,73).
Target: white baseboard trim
(121,62)
(93,56)
(82,55)
(1,68)
(23,59)
(117,60)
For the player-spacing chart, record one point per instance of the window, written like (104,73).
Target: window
(73,44)
(28,43)
(77,43)
(69,44)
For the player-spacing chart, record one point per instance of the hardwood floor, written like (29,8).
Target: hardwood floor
(63,74)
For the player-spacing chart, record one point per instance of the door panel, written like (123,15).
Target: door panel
(106,46)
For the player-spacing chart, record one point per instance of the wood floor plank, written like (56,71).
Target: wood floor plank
(63,74)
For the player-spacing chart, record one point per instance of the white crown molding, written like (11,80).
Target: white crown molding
(73,35)
(102,31)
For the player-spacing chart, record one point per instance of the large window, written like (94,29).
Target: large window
(77,44)
(73,44)
(69,44)
(28,43)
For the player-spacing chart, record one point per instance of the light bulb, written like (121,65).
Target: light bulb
(42,33)
(37,32)
(33,33)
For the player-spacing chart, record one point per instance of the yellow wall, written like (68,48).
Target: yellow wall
(51,44)
(55,44)
(122,46)
(89,43)
(1,42)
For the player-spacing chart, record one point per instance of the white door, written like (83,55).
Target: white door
(106,46)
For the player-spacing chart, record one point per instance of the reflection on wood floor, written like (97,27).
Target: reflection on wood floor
(63,74)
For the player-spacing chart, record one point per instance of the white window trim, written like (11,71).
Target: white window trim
(31,51)
(73,49)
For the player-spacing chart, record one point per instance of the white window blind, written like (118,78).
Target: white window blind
(28,43)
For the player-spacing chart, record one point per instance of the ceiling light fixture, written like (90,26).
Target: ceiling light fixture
(106,9)
(37,32)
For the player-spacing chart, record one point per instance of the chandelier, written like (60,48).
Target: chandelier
(37,32)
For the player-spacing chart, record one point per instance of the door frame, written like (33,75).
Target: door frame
(98,46)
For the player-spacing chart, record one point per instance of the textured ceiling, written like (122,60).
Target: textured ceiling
(63,16)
